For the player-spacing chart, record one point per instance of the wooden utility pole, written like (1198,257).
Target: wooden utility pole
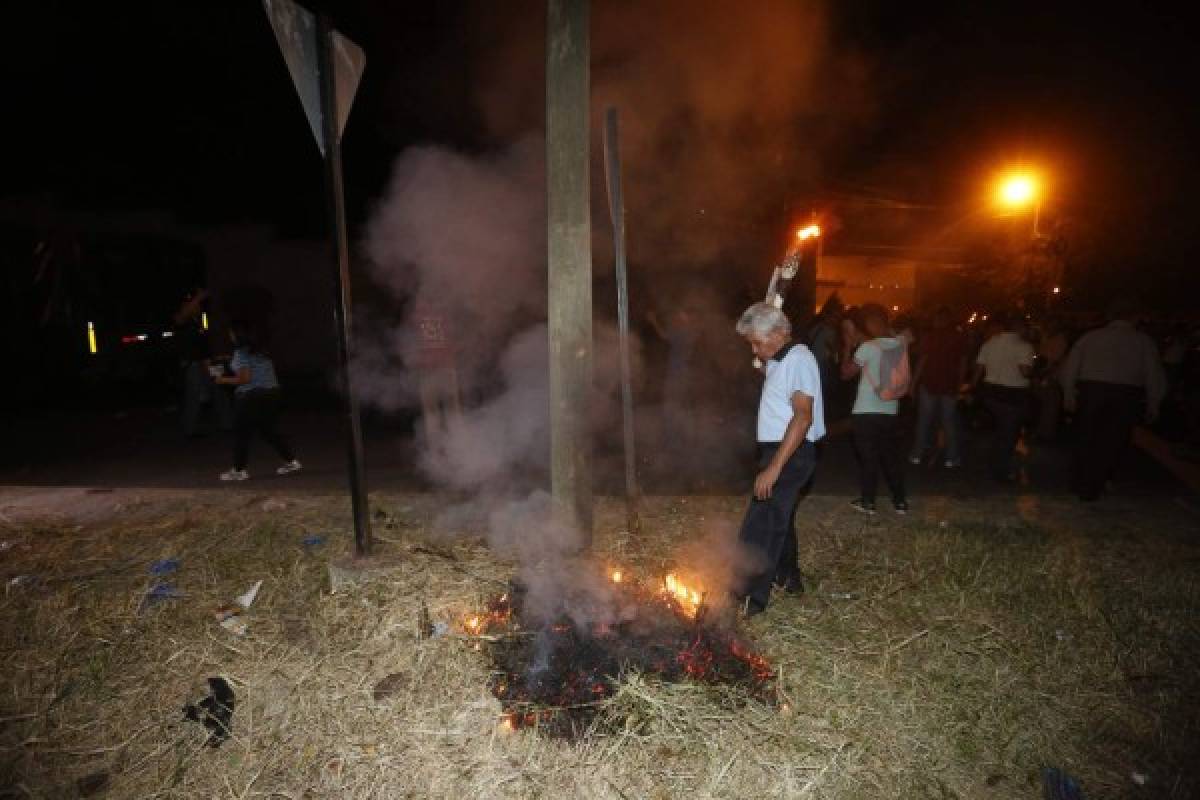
(569,259)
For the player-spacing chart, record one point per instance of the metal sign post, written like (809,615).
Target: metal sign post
(616,210)
(325,68)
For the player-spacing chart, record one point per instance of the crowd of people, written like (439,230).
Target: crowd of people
(1021,376)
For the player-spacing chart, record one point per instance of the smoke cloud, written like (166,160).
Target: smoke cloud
(463,238)
(726,108)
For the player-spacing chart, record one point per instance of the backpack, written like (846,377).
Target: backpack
(894,372)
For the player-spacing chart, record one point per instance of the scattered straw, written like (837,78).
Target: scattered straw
(951,654)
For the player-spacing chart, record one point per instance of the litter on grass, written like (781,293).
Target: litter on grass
(1058,785)
(230,616)
(160,592)
(164,566)
(18,581)
(215,711)
(246,598)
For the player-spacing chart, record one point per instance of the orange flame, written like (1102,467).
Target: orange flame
(808,232)
(688,598)
(616,576)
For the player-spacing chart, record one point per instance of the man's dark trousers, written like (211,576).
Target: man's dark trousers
(1009,407)
(769,525)
(1107,414)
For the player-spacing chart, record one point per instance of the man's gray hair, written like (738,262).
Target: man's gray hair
(761,320)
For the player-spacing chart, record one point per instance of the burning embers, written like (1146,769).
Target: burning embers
(555,673)
(494,617)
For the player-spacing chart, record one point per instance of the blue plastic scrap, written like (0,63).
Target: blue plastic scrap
(313,541)
(161,591)
(1058,785)
(164,566)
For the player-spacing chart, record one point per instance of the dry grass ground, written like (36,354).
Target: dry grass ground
(950,654)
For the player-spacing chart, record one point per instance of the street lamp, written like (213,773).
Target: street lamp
(1018,191)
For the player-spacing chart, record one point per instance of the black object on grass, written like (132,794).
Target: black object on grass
(215,711)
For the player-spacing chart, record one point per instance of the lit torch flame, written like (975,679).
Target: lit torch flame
(808,232)
(616,576)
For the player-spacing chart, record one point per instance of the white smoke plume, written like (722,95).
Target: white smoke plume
(465,237)
(505,439)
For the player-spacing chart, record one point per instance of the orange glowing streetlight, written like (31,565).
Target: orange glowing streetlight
(1018,191)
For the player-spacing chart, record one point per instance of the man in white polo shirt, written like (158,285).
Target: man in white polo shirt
(791,419)
(1004,365)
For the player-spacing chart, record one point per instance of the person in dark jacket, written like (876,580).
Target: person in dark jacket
(941,371)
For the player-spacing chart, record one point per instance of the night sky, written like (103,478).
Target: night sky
(188,107)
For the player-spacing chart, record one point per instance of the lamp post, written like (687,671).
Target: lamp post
(1019,191)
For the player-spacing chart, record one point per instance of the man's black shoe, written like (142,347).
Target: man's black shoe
(792,585)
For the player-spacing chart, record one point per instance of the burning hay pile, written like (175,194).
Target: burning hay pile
(555,674)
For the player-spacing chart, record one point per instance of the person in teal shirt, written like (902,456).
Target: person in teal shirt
(873,420)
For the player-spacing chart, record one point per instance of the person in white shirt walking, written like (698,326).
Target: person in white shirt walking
(1004,365)
(1112,376)
(791,419)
